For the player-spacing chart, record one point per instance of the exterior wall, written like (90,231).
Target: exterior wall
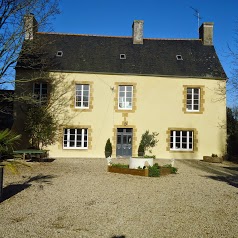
(159,106)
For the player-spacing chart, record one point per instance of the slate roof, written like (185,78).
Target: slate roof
(101,54)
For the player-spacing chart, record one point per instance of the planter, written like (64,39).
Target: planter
(139,172)
(1,182)
(211,159)
(140,162)
(164,171)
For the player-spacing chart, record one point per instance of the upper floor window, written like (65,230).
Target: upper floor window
(193,99)
(40,91)
(82,95)
(181,140)
(125,95)
(75,139)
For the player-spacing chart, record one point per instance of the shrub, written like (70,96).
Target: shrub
(108,148)
(141,151)
(154,171)
(147,142)
(120,165)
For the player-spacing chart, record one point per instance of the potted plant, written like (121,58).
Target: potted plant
(148,141)
(108,148)
(7,140)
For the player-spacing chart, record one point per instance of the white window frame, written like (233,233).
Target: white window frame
(79,104)
(188,142)
(39,96)
(84,131)
(124,99)
(193,100)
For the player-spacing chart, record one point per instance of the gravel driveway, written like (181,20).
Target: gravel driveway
(79,198)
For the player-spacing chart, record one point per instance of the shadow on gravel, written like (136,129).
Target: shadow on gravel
(119,236)
(13,189)
(231,180)
(201,165)
(231,168)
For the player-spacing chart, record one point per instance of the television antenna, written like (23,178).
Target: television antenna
(197,15)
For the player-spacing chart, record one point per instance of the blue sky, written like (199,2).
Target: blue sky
(162,19)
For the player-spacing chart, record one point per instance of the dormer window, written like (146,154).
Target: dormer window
(59,53)
(179,57)
(122,56)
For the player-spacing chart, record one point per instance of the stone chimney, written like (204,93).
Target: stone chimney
(137,32)
(206,33)
(30,26)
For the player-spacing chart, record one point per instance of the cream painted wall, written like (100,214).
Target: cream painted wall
(159,103)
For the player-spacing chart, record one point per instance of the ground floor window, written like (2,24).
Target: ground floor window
(75,138)
(181,140)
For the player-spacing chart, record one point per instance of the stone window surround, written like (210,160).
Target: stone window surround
(91,98)
(195,140)
(61,136)
(134,100)
(202,99)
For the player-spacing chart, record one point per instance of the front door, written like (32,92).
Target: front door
(124,142)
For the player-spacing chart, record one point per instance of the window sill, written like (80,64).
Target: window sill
(181,151)
(74,148)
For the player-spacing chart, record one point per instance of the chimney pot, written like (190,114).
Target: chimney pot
(137,31)
(206,33)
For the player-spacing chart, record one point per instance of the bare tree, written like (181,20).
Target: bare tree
(13,29)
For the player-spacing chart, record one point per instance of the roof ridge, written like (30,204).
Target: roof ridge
(128,37)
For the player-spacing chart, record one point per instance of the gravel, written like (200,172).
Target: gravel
(79,198)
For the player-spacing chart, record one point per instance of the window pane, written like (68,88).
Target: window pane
(196,102)
(118,139)
(71,143)
(196,96)
(129,88)
(121,94)
(195,107)
(121,88)
(78,87)
(86,87)
(184,145)
(129,139)
(79,144)
(129,94)
(189,90)
(184,133)
(196,90)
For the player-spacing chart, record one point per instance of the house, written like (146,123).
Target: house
(119,87)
